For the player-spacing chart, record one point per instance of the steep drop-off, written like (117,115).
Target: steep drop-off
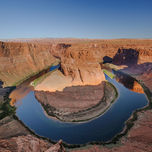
(79,59)
(78,103)
(19,61)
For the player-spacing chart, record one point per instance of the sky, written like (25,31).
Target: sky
(105,19)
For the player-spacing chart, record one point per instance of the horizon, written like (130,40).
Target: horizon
(81,19)
(40,38)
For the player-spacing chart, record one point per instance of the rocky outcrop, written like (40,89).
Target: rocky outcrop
(131,56)
(10,127)
(29,143)
(57,148)
(19,61)
(79,58)
(82,66)
(79,61)
(127,57)
(79,103)
(14,136)
(57,81)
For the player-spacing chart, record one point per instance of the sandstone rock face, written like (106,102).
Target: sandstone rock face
(18,61)
(132,57)
(72,99)
(126,57)
(82,67)
(79,103)
(15,137)
(79,58)
(27,143)
(57,148)
(80,61)
(10,127)
(56,81)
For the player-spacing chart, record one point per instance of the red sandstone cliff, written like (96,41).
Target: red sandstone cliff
(21,60)
(79,59)
(18,60)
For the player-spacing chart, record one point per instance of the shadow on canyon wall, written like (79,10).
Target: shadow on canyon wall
(127,57)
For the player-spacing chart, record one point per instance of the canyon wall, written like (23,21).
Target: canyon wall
(18,61)
(79,59)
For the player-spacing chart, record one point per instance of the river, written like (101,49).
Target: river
(102,128)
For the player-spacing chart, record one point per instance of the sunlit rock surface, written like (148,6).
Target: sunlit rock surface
(79,58)
(79,103)
(80,62)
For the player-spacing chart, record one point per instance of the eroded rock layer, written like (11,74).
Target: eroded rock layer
(79,59)
(79,103)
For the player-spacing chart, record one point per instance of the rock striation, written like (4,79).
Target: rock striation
(79,58)
(80,62)
(78,103)
(19,61)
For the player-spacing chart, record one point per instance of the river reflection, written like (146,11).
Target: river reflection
(128,82)
(103,128)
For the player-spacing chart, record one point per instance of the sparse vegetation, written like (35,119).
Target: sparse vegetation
(112,66)
(6,109)
(111,75)
(41,78)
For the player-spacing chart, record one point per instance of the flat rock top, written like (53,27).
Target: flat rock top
(55,81)
(72,98)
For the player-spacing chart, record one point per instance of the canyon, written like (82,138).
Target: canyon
(78,84)
(79,59)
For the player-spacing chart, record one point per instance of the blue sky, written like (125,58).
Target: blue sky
(104,19)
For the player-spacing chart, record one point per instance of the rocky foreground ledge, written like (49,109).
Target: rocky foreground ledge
(14,136)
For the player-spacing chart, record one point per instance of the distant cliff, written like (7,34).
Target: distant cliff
(79,59)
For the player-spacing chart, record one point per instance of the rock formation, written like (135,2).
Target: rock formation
(79,59)
(15,137)
(80,63)
(19,61)
(79,103)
